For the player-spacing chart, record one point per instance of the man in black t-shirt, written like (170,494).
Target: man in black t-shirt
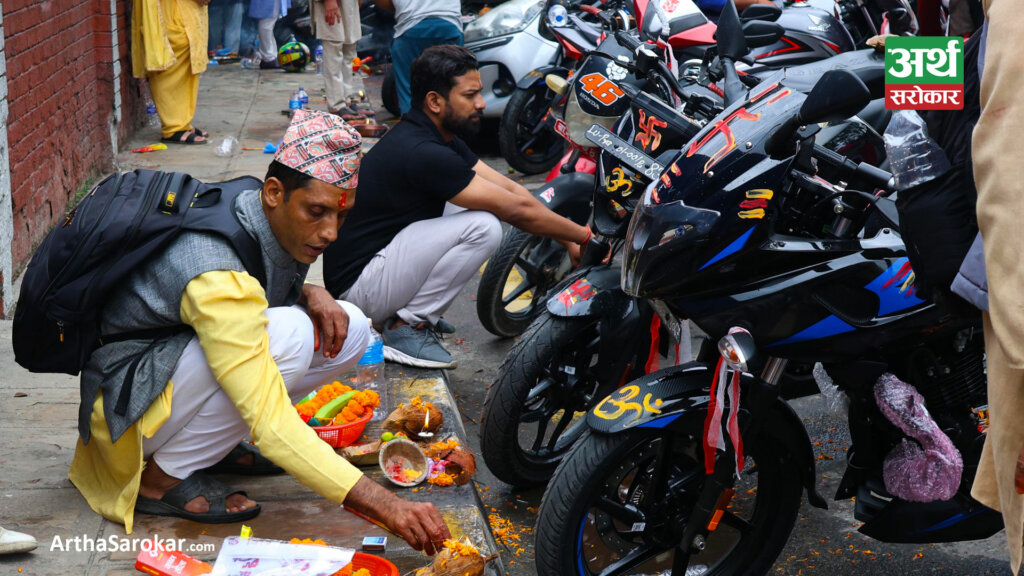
(428,211)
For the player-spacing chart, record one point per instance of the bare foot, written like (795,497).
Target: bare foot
(155,483)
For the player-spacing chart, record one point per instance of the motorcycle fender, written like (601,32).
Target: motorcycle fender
(657,400)
(568,195)
(595,292)
(536,76)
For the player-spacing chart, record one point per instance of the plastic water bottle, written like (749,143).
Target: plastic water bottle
(303,97)
(152,118)
(370,373)
(318,58)
(295,103)
(914,158)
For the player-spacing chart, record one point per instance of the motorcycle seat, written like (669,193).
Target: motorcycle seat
(868,65)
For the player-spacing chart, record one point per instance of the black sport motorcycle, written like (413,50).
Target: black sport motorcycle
(590,337)
(788,252)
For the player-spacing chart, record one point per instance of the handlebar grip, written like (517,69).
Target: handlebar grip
(875,175)
(627,40)
(594,253)
(872,174)
(590,9)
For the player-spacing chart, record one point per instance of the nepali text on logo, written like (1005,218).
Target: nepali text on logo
(924,73)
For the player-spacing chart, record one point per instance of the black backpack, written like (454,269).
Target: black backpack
(123,223)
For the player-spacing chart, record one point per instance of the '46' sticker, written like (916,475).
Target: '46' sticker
(601,88)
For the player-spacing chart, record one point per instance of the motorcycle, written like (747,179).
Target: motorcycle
(758,244)
(518,278)
(526,141)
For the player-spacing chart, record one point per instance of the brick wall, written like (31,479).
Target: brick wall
(62,125)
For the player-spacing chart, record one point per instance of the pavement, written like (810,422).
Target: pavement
(37,430)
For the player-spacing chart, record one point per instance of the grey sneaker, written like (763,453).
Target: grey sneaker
(417,347)
(444,327)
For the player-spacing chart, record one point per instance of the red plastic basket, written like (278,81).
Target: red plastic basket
(374,565)
(344,434)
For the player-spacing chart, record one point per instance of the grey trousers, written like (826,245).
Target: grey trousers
(342,85)
(418,275)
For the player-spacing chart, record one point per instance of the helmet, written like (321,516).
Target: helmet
(293,56)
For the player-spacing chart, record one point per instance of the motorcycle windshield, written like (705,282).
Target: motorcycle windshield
(658,232)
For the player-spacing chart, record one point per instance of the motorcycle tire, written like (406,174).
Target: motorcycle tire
(389,93)
(613,471)
(532,389)
(540,263)
(525,151)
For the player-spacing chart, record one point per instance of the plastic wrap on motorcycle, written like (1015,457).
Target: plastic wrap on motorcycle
(568,195)
(594,293)
(657,400)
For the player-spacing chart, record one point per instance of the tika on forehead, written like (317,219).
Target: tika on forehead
(323,146)
(343,201)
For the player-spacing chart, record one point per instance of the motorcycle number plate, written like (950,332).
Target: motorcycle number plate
(620,149)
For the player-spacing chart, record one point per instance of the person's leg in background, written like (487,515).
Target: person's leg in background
(405,49)
(176,89)
(353,80)
(268,44)
(216,10)
(334,78)
(233,14)
(409,284)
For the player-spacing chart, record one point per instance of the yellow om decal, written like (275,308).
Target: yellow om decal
(620,180)
(621,401)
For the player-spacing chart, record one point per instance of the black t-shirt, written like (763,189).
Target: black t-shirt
(406,177)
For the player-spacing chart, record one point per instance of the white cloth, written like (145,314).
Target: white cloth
(409,13)
(418,275)
(341,84)
(348,31)
(268,44)
(204,424)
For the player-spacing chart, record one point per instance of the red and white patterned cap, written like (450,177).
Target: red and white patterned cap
(323,146)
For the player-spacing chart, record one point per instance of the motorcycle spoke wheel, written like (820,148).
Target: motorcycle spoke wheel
(624,502)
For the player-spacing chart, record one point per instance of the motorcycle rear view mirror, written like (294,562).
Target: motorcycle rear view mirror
(762,12)
(837,95)
(757,33)
(729,35)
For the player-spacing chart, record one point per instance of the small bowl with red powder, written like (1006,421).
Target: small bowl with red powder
(404,463)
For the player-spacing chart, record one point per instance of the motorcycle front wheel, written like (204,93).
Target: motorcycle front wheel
(535,411)
(526,143)
(516,281)
(603,514)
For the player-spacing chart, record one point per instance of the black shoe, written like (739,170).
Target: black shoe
(269,65)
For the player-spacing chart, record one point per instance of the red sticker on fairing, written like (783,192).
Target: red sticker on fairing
(580,291)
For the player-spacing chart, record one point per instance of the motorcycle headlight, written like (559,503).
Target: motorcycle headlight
(508,18)
(661,242)
(577,122)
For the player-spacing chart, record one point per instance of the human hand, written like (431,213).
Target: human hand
(420,524)
(575,252)
(328,318)
(332,14)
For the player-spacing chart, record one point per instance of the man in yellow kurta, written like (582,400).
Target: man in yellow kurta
(169,48)
(247,356)
(998,172)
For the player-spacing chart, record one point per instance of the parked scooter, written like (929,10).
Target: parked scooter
(760,246)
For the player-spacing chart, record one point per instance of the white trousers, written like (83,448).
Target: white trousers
(341,84)
(418,275)
(204,424)
(265,29)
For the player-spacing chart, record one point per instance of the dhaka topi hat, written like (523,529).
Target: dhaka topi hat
(323,146)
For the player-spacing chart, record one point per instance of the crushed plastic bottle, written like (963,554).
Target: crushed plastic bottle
(370,373)
(914,158)
(152,118)
(835,399)
(227,146)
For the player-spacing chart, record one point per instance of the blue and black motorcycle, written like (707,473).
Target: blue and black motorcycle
(787,252)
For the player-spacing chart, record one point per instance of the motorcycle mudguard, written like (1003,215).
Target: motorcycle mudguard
(657,400)
(568,195)
(594,292)
(536,76)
